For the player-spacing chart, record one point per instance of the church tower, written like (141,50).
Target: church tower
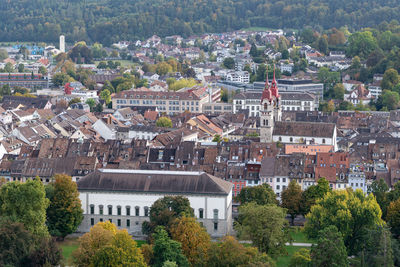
(271,110)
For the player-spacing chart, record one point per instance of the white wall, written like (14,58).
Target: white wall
(146,200)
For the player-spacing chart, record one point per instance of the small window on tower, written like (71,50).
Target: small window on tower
(265,105)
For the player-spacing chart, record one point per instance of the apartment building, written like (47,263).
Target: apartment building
(169,102)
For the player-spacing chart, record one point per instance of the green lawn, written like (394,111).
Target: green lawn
(298,235)
(140,242)
(284,261)
(68,246)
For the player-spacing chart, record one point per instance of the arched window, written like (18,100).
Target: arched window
(109,210)
(128,210)
(215,214)
(146,211)
(92,209)
(136,211)
(201,213)
(323,141)
(291,139)
(101,208)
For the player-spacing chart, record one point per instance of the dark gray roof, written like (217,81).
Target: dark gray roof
(154,181)
(267,167)
(248,95)
(309,129)
(296,96)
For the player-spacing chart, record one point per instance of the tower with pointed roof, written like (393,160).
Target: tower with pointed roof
(271,109)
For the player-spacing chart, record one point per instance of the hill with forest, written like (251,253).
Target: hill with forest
(107,21)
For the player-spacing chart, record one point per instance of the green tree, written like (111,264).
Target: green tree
(64,213)
(265,226)
(291,199)
(59,79)
(377,248)
(105,245)
(338,91)
(182,83)
(361,44)
(21,68)
(390,100)
(102,65)
(380,190)
(217,138)
(164,122)
(393,217)
(98,108)
(224,95)
(229,252)
(92,103)
(301,258)
(74,101)
(330,249)
(122,251)
(261,195)
(3,54)
(8,67)
(310,196)
(42,70)
(166,249)
(165,210)
(352,212)
(323,44)
(15,244)
(194,239)
(390,79)
(25,203)
(229,63)
(105,95)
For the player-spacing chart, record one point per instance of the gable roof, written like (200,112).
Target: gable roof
(309,129)
(154,181)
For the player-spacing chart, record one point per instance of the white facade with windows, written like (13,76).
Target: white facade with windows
(290,101)
(124,197)
(238,76)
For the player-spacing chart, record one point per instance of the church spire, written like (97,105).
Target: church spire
(267,89)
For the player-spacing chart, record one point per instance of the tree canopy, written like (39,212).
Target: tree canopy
(265,226)
(64,213)
(351,212)
(25,203)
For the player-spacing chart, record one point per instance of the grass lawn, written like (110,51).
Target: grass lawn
(68,246)
(140,242)
(284,261)
(298,235)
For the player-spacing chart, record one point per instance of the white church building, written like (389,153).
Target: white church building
(124,197)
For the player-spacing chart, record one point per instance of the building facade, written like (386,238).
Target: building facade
(171,103)
(124,197)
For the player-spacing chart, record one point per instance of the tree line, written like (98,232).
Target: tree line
(107,21)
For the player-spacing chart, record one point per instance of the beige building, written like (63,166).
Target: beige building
(169,102)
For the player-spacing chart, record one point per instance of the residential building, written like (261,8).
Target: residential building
(238,76)
(28,80)
(169,102)
(359,95)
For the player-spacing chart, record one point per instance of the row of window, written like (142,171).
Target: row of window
(119,210)
(137,211)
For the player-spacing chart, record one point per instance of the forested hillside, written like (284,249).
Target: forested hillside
(106,21)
